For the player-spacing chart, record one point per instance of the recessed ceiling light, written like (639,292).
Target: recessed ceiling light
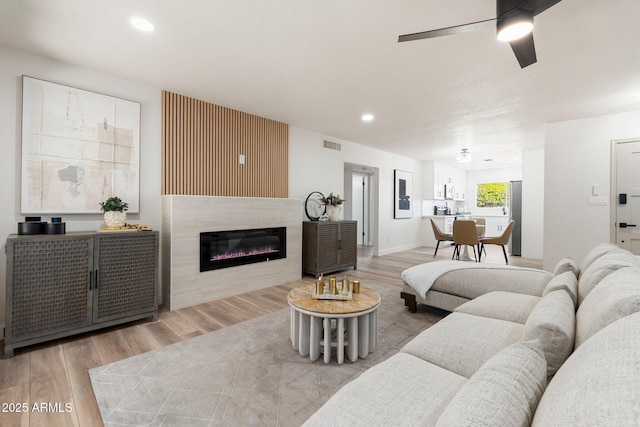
(367,117)
(142,24)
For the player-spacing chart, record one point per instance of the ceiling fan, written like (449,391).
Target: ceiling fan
(514,24)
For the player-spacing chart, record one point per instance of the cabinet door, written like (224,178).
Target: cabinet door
(348,243)
(327,245)
(47,287)
(126,275)
(495,226)
(438,179)
(459,181)
(448,225)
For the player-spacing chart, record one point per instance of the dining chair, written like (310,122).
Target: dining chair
(439,235)
(481,225)
(501,240)
(465,234)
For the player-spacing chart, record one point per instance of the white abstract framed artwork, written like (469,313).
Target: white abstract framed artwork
(403,187)
(78,149)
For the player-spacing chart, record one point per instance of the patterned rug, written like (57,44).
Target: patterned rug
(245,374)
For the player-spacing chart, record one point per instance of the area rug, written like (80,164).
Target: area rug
(245,374)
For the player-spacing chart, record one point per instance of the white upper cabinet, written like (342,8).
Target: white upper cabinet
(437,176)
(459,183)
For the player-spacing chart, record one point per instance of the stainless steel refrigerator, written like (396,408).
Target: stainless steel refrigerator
(515,213)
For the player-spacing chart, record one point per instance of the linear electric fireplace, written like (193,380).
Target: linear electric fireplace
(222,249)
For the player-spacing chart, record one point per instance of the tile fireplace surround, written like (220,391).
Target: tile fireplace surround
(185,217)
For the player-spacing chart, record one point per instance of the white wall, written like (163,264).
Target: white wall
(13,65)
(532,203)
(315,168)
(577,156)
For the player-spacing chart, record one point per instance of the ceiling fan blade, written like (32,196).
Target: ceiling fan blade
(525,50)
(538,6)
(489,23)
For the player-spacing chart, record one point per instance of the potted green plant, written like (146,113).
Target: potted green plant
(114,209)
(334,206)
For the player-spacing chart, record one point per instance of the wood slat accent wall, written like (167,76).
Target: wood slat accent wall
(202,143)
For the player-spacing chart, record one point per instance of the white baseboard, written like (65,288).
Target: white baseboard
(399,249)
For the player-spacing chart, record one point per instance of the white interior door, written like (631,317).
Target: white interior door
(628,195)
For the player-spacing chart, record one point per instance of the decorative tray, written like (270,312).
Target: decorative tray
(336,297)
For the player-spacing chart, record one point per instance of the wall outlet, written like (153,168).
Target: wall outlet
(242,159)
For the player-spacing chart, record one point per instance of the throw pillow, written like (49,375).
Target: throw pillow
(616,296)
(598,384)
(553,322)
(505,391)
(601,268)
(567,282)
(596,253)
(566,264)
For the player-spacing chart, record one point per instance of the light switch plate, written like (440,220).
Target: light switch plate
(597,201)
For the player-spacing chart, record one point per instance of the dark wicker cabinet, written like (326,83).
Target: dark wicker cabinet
(60,285)
(329,246)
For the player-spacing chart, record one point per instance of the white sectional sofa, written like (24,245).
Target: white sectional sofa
(566,356)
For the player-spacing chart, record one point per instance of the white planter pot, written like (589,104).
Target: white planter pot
(334,212)
(115,219)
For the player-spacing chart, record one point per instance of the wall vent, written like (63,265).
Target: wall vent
(332,145)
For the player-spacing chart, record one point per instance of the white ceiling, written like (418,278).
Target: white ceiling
(320,65)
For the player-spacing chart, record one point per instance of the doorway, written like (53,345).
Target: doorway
(361,192)
(360,206)
(625,198)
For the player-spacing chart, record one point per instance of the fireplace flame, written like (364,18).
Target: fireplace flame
(243,253)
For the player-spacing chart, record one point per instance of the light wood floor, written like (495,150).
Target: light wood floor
(57,372)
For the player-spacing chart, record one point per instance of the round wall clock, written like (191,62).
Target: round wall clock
(313,206)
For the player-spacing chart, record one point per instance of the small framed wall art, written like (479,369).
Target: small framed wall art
(403,187)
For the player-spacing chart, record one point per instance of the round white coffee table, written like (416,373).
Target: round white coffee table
(311,324)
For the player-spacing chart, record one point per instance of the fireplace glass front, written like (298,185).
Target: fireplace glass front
(222,249)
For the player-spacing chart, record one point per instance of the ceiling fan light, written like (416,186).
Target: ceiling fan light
(515,25)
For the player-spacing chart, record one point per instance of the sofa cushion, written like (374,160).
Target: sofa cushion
(553,322)
(616,296)
(598,384)
(567,282)
(471,283)
(596,253)
(505,391)
(566,264)
(462,342)
(501,305)
(402,390)
(601,268)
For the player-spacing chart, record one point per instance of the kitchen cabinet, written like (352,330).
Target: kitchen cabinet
(459,181)
(437,175)
(60,285)
(495,225)
(329,246)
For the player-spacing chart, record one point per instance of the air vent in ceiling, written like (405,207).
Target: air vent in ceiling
(332,145)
